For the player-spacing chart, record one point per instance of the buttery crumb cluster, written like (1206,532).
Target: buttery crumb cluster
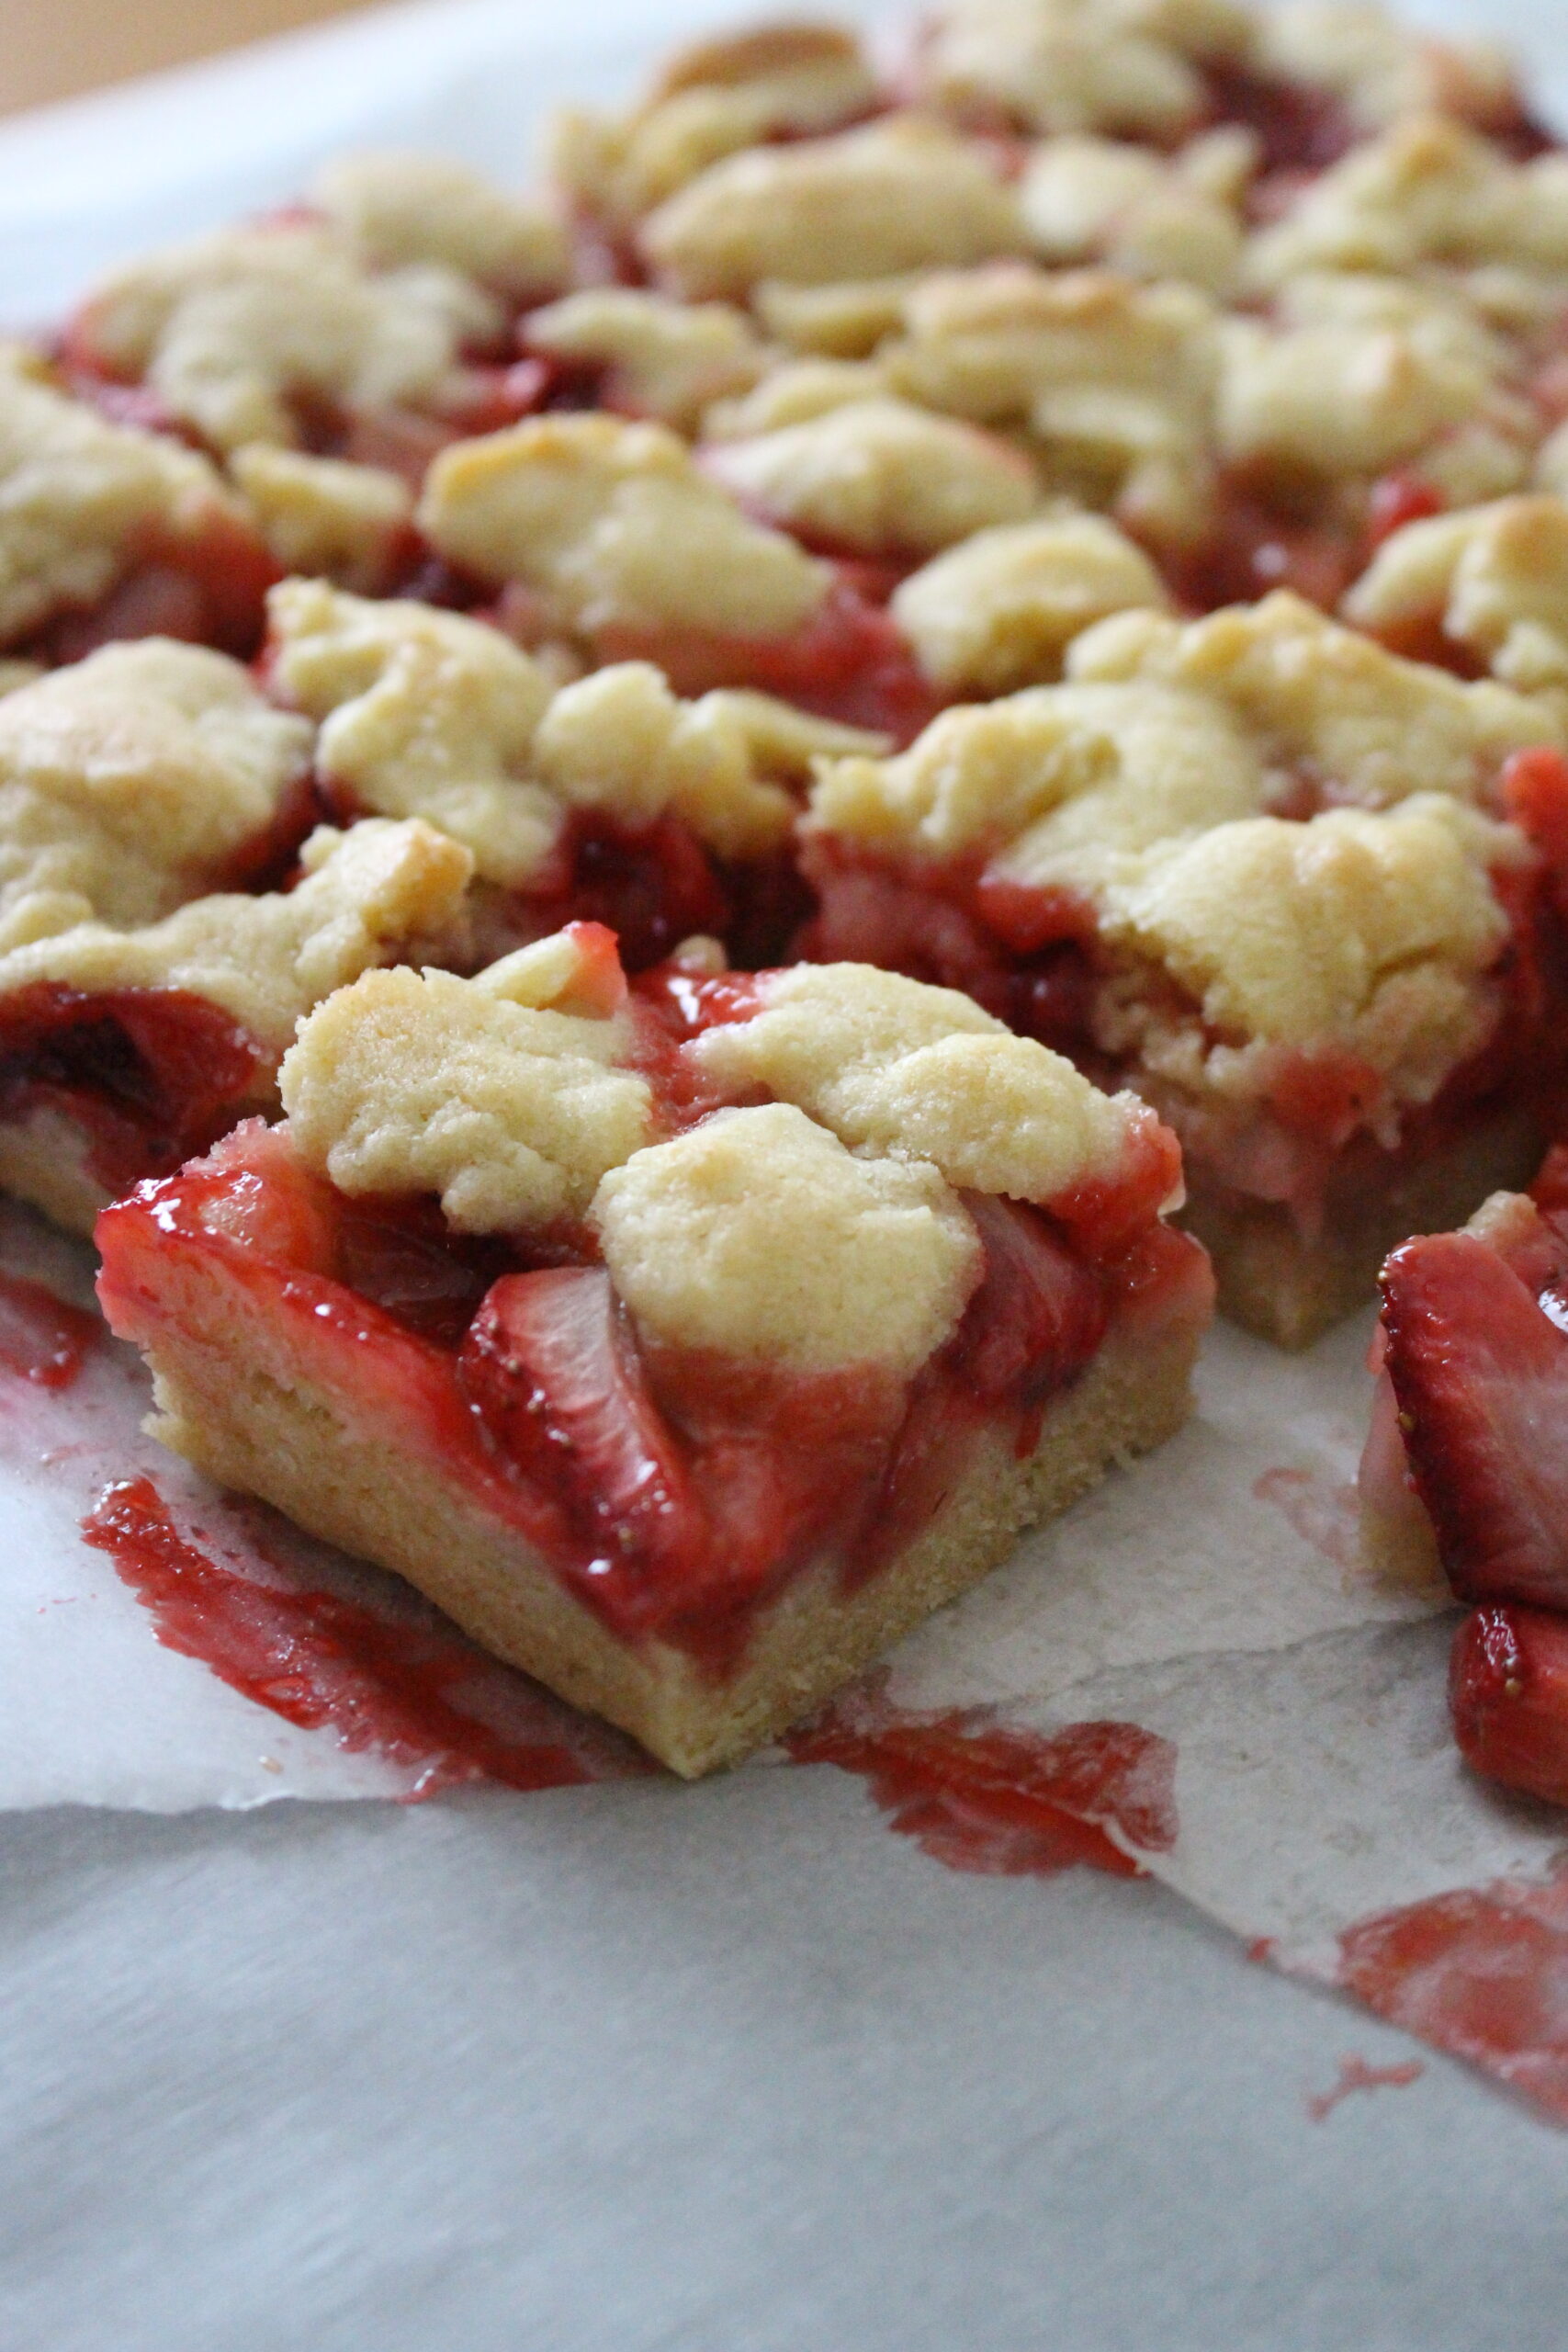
(818,1225)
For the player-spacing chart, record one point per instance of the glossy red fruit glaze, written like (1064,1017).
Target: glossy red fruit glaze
(1005,1803)
(1533,790)
(1480,1374)
(1397,498)
(149,1075)
(1483,1973)
(382,1685)
(1299,129)
(42,1338)
(851,662)
(652,888)
(1508,1698)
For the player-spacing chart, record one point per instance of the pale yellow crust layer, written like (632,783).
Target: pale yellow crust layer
(231,1400)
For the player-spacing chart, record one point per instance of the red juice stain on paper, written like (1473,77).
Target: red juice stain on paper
(1357,2075)
(1482,1973)
(42,1338)
(383,1685)
(992,1798)
(1323,1511)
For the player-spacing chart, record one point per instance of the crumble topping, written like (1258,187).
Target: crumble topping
(1429,191)
(1324,702)
(710,101)
(615,525)
(1062,781)
(1371,931)
(620,741)
(393,210)
(427,713)
(228,327)
(1114,380)
(664,359)
(999,611)
(793,393)
(420,1082)
(1355,373)
(79,496)
(421,713)
(901,193)
(878,474)
(758,1234)
(1496,578)
(1072,65)
(324,515)
(845,320)
(1092,200)
(920,1073)
(377,892)
(132,777)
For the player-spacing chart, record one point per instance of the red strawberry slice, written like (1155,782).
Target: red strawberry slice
(556,1379)
(1508,1695)
(1481,1374)
(1038,1315)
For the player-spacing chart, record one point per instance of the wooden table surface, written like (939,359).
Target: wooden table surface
(52,49)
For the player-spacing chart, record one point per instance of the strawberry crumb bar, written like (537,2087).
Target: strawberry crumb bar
(1252,867)
(687,1343)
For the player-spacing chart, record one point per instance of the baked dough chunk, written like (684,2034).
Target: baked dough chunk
(710,101)
(1091,200)
(1429,192)
(1358,373)
(760,1235)
(231,328)
(324,516)
(901,193)
(1494,581)
(615,525)
(427,713)
(880,475)
(377,892)
(82,500)
(660,358)
(846,319)
(395,209)
(999,611)
(1324,701)
(1055,786)
(412,1083)
(893,1066)
(1127,66)
(131,780)
(1115,381)
(1369,932)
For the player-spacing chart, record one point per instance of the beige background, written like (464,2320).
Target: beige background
(52,48)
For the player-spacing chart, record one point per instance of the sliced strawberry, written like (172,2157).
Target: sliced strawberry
(1508,1696)
(554,1376)
(1039,1312)
(1481,1374)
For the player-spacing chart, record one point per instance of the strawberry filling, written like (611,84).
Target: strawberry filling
(1476,1358)
(849,663)
(148,1076)
(675,1492)
(207,587)
(1508,1698)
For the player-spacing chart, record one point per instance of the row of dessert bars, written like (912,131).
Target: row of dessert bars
(758,751)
